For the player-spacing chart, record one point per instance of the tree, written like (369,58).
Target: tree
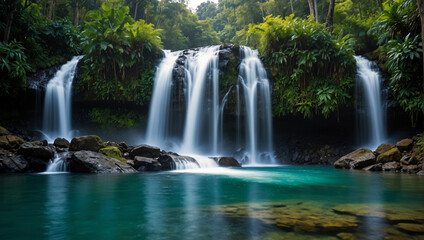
(420,4)
(11,8)
(206,10)
(330,15)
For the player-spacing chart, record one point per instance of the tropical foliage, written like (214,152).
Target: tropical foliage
(313,71)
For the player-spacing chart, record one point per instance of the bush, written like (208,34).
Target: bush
(312,70)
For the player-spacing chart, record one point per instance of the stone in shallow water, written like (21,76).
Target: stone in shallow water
(355,156)
(375,167)
(391,167)
(393,155)
(346,236)
(411,227)
(390,212)
(92,162)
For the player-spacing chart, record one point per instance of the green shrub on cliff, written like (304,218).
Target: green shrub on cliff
(313,70)
(120,56)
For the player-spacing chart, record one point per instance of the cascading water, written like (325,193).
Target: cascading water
(371,109)
(202,109)
(257,96)
(57,102)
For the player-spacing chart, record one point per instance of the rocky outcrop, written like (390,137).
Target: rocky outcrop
(146,164)
(10,142)
(11,163)
(383,148)
(61,142)
(226,161)
(32,150)
(390,158)
(357,159)
(89,143)
(404,144)
(92,162)
(144,150)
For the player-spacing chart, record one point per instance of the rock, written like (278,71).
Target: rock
(3,131)
(123,145)
(89,143)
(383,148)
(410,169)
(147,164)
(390,156)
(113,152)
(409,160)
(375,167)
(40,143)
(226,161)
(61,142)
(361,157)
(144,150)
(411,227)
(36,151)
(111,144)
(170,161)
(92,162)
(130,162)
(420,173)
(346,236)
(11,163)
(404,144)
(10,142)
(391,167)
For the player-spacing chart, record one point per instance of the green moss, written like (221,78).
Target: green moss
(113,152)
(3,130)
(390,156)
(90,143)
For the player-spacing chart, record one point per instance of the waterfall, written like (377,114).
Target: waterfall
(58,164)
(201,107)
(370,107)
(57,102)
(257,96)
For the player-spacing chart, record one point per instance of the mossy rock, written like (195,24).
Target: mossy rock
(384,148)
(90,143)
(393,155)
(113,152)
(10,142)
(3,131)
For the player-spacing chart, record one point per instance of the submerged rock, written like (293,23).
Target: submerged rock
(393,155)
(92,162)
(226,161)
(404,144)
(89,143)
(61,142)
(146,164)
(391,167)
(383,148)
(374,168)
(144,150)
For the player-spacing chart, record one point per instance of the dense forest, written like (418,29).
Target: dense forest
(307,45)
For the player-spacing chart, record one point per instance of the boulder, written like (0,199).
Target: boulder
(383,148)
(10,142)
(391,167)
(146,164)
(374,167)
(40,143)
(404,144)
(3,131)
(170,161)
(61,142)
(411,169)
(111,144)
(226,161)
(123,145)
(11,163)
(411,227)
(361,157)
(420,173)
(144,150)
(113,152)
(409,160)
(36,151)
(92,162)
(89,143)
(390,156)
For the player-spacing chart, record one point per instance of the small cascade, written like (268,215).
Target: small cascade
(58,164)
(57,102)
(370,107)
(187,82)
(193,163)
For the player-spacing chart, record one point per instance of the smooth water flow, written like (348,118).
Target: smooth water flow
(197,99)
(57,102)
(371,108)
